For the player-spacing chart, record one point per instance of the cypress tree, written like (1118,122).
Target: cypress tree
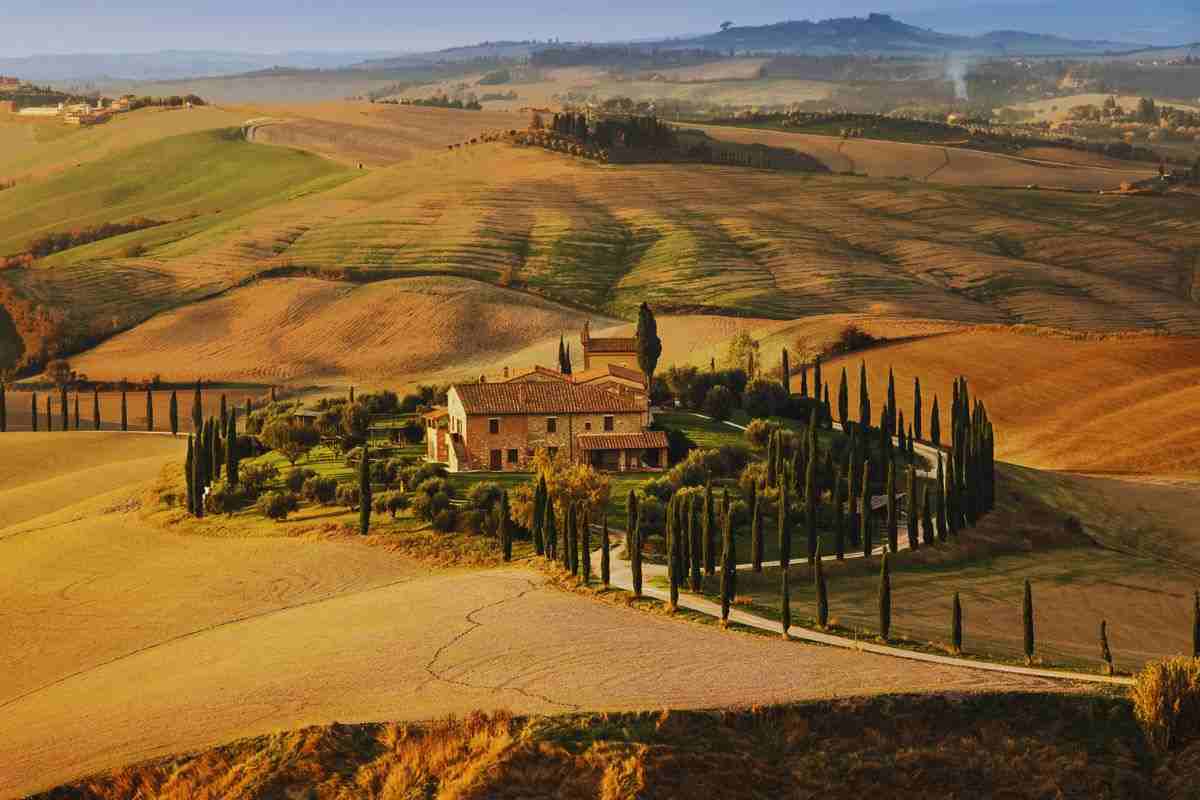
(539,511)
(843,401)
(65,409)
(785,373)
(827,410)
(551,531)
(822,593)
(728,568)
(914,534)
(231,451)
(928,532)
(943,527)
(364,490)
(3,408)
(198,410)
(605,557)
(635,557)
(198,484)
(864,511)
(695,548)
(96,407)
(272,394)
(956,626)
(1027,620)
(891,403)
(817,377)
(568,556)
(885,599)
(900,431)
(33,411)
(892,520)
(77,409)
(649,345)
(839,516)
(804,380)
(248,409)
(585,554)
(852,493)
(49,415)
(124,411)
(673,553)
(225,412)
(756,541)
(631,518)
(149,409)
(710,532)
(189,477)
(785,530)
(215,449)
(173,413)
(935,424)
(864,397)
(811,503)
(917,406)
(505,525)
(1105,653)
(785,601)
(773,459)
(1196,627)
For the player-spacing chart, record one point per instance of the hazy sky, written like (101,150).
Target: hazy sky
(61,26)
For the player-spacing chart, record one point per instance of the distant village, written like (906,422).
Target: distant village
(29,100)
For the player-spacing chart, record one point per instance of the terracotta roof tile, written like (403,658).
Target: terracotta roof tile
(647,440)
(543,397)
(611,370)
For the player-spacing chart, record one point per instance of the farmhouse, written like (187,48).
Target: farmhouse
(500,426)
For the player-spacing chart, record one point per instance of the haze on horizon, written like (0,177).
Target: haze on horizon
(270,26)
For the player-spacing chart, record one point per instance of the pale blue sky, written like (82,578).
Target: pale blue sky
(62,26)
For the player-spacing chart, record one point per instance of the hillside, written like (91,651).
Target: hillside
(604,238)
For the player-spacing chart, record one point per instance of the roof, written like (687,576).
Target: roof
(539,370)
(612,370)
(596,344)
(542,397)
(647,440)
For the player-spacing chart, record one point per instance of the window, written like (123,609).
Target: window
(608,423)
(553,451)
(493,426)
(495,460)
(551,424)
(587,426)
(512,456)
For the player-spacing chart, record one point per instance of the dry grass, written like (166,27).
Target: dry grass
(1166,701)
(935,164)
(1057,109)
(296,330)
(1018,746)
(1081,403)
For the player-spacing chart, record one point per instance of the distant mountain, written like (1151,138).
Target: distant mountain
(883,34)
(172,64)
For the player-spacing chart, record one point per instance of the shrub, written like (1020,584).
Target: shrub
(320,490)
(277,505)
(484,495)
(850,339)
(752,477)
(764,398)
(379,502)
(445,520)
(719,403)
(432,486)
(225,499)
(427,505)
(759,431)
(413,431)
(348,495)
(1166,701)
(660,488)
(255,477)
(397,502)
(297,478)
(474,521)
(412,477)
(652,515)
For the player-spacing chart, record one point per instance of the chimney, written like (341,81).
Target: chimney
(506,373)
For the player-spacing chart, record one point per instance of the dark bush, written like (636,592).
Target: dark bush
(296,479)
(320,490)
(764,398)
(445,520)
(719,403)
(277,505)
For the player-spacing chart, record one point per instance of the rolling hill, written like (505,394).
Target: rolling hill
(690,238)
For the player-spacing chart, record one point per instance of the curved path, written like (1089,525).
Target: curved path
(123,641)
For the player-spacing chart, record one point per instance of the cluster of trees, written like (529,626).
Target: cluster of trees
(625,131)
(171,101)
(214,451)
(558,509)
(470,103)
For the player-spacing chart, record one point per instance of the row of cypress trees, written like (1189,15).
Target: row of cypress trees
(575,553)
(64,405)
(211,448)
